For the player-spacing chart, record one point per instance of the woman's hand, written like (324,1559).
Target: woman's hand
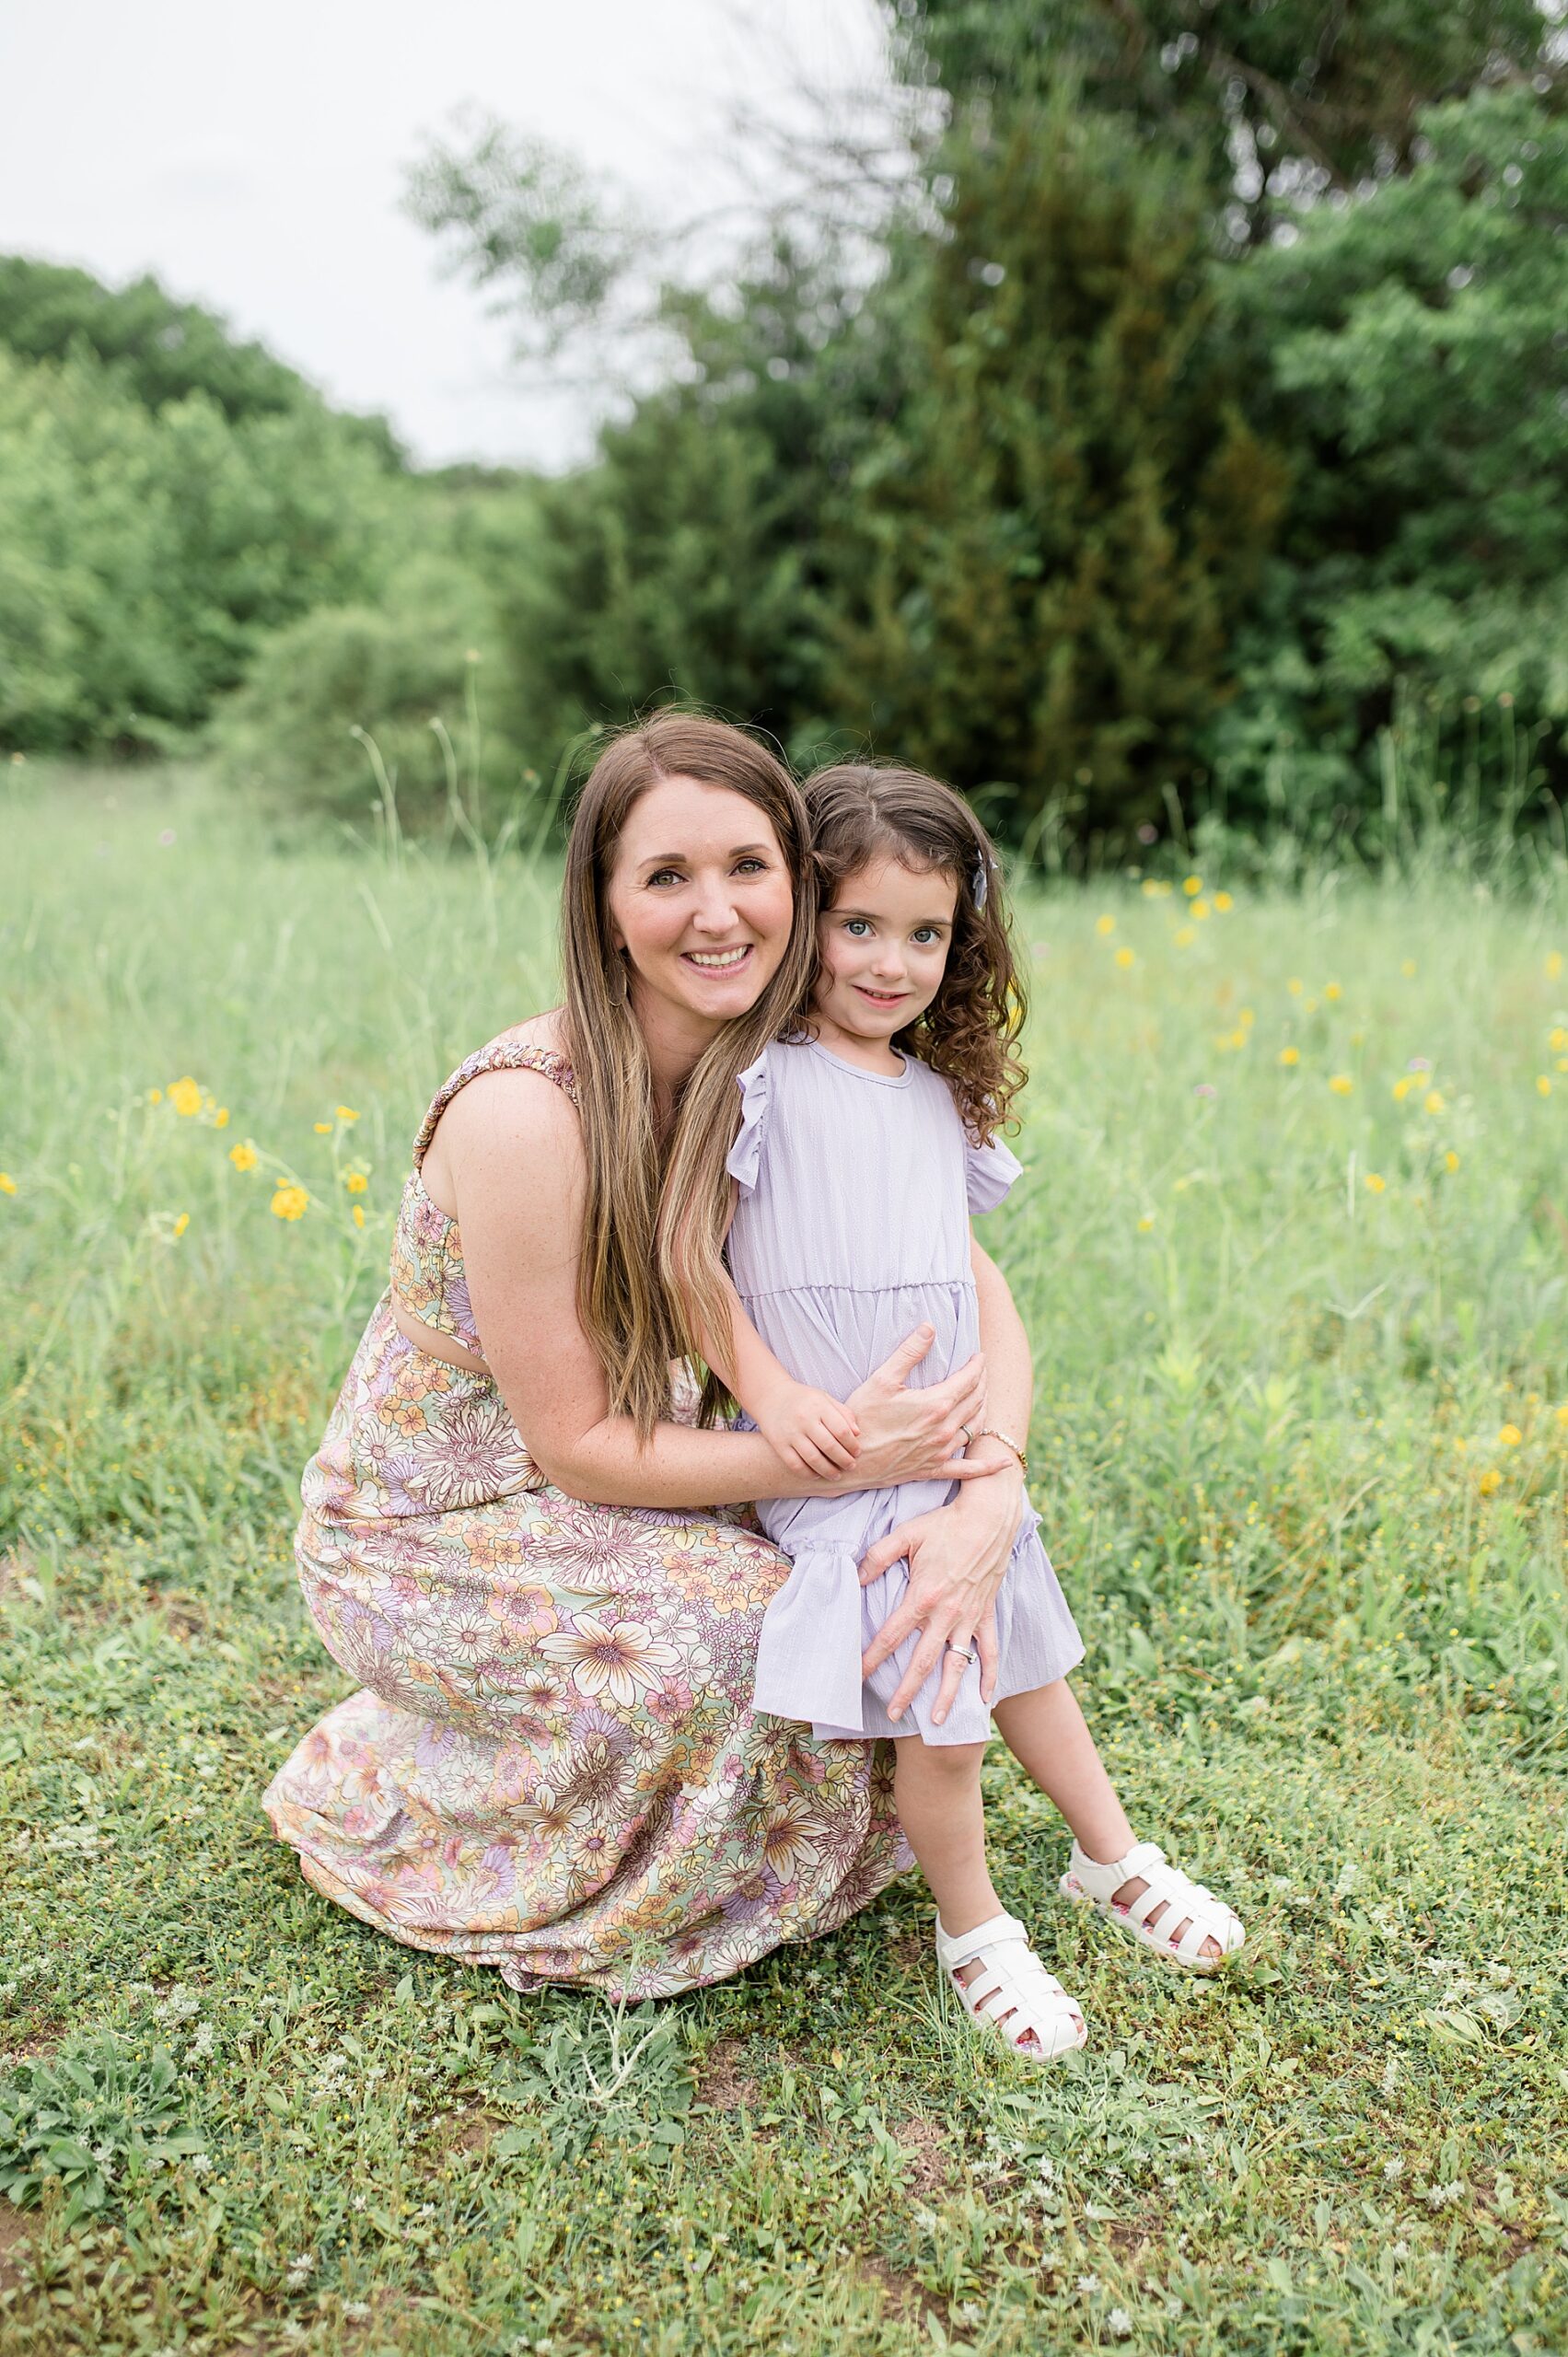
(957,1556)
(918,1435)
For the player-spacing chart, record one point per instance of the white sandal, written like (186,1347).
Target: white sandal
(1171,1895)
(1012,1992)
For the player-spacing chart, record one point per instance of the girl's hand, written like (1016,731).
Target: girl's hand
(957,1557)
(814,1433)
(916,1435)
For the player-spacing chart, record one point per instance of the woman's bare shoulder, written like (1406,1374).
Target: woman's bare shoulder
(536,1031)
(504,1114)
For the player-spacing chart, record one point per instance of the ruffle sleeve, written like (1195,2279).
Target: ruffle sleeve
(746,1153)
(989,1171)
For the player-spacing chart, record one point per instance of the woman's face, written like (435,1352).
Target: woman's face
(700,902)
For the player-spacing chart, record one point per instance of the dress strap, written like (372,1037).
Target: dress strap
(502,1055)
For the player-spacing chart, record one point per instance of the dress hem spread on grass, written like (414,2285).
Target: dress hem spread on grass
(554,1764)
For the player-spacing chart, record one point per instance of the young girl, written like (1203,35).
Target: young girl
(865,1140)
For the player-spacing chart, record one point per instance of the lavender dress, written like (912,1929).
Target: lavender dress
(851,1229)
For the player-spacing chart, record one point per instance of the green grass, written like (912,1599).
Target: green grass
(1322,1587)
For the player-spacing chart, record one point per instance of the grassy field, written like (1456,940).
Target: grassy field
(1293,1249)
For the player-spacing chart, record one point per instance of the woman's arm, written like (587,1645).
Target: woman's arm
(958,1553)
(515,1157)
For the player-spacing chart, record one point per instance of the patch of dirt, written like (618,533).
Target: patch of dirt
(470,2131)
(15,2233)
(723,2084)
(904,2298)
(930,2153)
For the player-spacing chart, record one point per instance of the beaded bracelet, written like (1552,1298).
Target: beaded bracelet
(994,1431)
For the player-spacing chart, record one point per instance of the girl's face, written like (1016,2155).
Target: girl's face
(700,902)
(883,947)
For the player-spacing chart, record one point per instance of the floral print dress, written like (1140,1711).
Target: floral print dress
(552,1764)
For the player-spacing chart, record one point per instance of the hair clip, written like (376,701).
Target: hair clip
(978,882)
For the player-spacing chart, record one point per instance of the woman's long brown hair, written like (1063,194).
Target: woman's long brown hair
(860,811)
(649,1281)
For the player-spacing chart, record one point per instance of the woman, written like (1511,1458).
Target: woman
(529,1550)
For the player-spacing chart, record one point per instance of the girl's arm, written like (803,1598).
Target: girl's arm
(514,1151)
(811,1430)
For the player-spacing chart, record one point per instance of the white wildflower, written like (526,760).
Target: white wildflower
(200,2162)
(1089,2285)
(1393,2168)
(357,2310)
(1440,2197)
(205,2040)
(1118,2324)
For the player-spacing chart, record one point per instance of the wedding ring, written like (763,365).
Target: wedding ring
(969,1436)
(963,1653)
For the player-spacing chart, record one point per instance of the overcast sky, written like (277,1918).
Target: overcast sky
(253,159)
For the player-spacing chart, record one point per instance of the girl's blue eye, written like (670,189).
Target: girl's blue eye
(856,925)
(924,933)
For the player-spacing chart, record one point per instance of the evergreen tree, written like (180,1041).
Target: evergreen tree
(1039,561)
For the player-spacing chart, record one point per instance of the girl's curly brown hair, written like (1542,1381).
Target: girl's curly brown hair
(860,811)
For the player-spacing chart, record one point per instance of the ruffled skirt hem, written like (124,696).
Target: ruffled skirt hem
(821,1621)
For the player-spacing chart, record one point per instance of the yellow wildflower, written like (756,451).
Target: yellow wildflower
(1490,1480)
(1557,1036)
(1185,936)
(1435,1101)
(1246,1016)
(1543,1084)
(155,1096)
(244,1157)
(1146,1222)
(220,1118)
(1125,958)
(1333,991)
(355,1181)
(359,1216)
(1105,924)
(1239,1039)
(1374,1183)
(1154,887)
(1562,1064)
(7,1184)
(1224,903)
(185,1096)
(1294,986)
(289,1203)
(1553,964)
(1408,969)
(1199,909)
(1450,1160)
(1290,1055)
(1510,1436)
(323,1129)
(345,1113)
(1402,1087)
(1191,886)
(1561,1414)
(1341,1084)
(181,1224)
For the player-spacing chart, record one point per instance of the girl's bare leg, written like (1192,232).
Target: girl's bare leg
(1045,1732)
(937,1790)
